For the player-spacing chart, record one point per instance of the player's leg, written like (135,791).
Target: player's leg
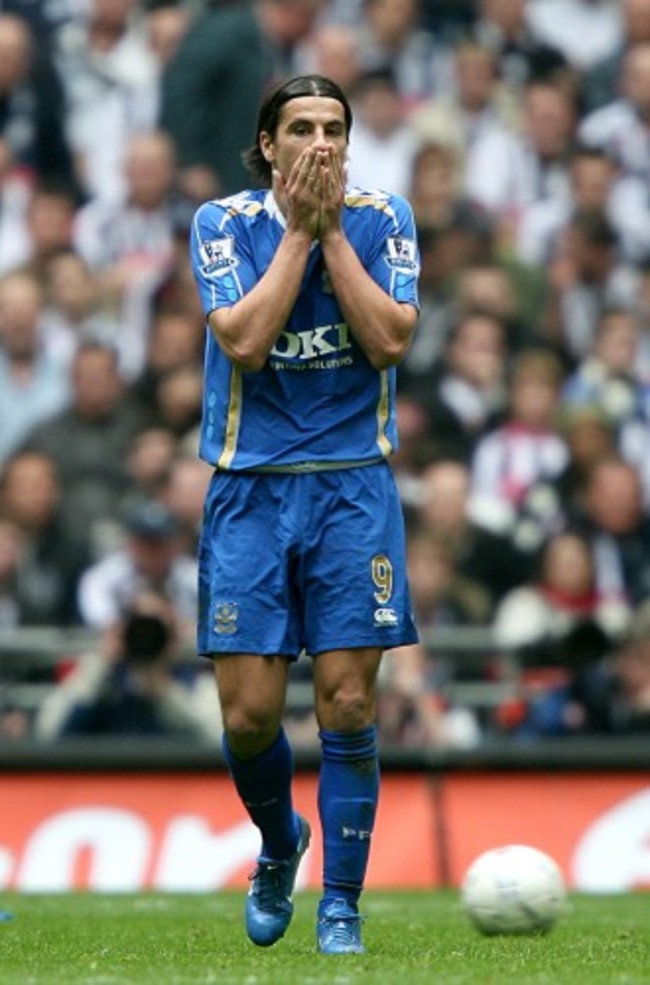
(252,695)
(246,610)
(358,605)
(348,791)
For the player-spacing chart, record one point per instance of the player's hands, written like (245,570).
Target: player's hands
(332,183)
(300,193)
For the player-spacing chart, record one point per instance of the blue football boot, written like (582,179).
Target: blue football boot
(269,905)
(339,928)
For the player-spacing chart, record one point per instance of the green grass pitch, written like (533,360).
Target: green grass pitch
(412,938)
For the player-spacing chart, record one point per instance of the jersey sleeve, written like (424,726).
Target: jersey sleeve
(394,260)
(221,260)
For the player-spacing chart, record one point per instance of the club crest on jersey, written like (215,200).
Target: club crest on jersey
(225,618)
(217,256)
(401,253)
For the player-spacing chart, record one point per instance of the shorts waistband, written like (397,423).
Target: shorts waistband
(302,468)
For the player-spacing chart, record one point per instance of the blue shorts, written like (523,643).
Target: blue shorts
(314,561)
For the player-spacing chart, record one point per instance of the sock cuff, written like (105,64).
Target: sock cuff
(261,759)
(341,746)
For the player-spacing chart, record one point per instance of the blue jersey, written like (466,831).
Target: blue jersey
(317,399)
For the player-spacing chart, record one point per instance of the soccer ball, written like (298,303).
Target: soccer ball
(514,889)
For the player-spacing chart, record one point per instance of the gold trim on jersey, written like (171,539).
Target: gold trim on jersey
(366,200)
(383,414)
(232,420)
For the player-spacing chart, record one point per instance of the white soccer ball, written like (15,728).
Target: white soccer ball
(514,889)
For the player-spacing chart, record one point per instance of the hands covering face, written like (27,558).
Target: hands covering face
(314,191)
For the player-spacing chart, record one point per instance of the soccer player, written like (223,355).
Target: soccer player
(310,294)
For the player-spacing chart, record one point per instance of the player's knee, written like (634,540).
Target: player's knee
(249,730)
(346,710)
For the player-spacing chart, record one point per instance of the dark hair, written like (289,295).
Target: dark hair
(270,111)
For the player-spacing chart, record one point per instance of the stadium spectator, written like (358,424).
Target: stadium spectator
(111,87)
(608,377)
(49,226)
(596,186)
(585,31)
(89,441)
(149,459)
(415,449)
(629,685)
(177,403)
(166,24)
(615,520)
(480,554)
(467,396)
(502,27)
(383,144)
(621,127)
(541,617)
(414,712)
(332,49)
(76,309)
(442,595)
(435,184)
(40,223)
(175,341)
(151,557)
(391,35)
(599,85)
(552,503)
(135,684)
(507,171)
(212,87)
(525,448)
(31,107)
(474,106)
(183,493)
(33,385)
(129,242)
(48,555)
(509,292)
(586,275)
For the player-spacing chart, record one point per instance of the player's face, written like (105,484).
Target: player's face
(306,121)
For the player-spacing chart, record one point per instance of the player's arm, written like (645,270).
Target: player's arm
(248,330)
(382,326)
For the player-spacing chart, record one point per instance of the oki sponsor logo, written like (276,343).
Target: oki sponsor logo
(322,341)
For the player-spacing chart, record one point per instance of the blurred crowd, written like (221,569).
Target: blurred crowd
(519,130)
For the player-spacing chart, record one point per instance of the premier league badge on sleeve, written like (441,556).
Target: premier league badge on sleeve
(217,256)
(401,253)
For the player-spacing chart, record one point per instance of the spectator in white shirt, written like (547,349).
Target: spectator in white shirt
(129,242)
(600,84)
(596,185)
(585,276)
(622,128)
(585,31)
(475,103)
(382,145)
(153,558)
(507,172)
(33,385)
(111,81)
(525,449)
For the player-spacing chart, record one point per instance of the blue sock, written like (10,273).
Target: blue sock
(347,801)
(264,784)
